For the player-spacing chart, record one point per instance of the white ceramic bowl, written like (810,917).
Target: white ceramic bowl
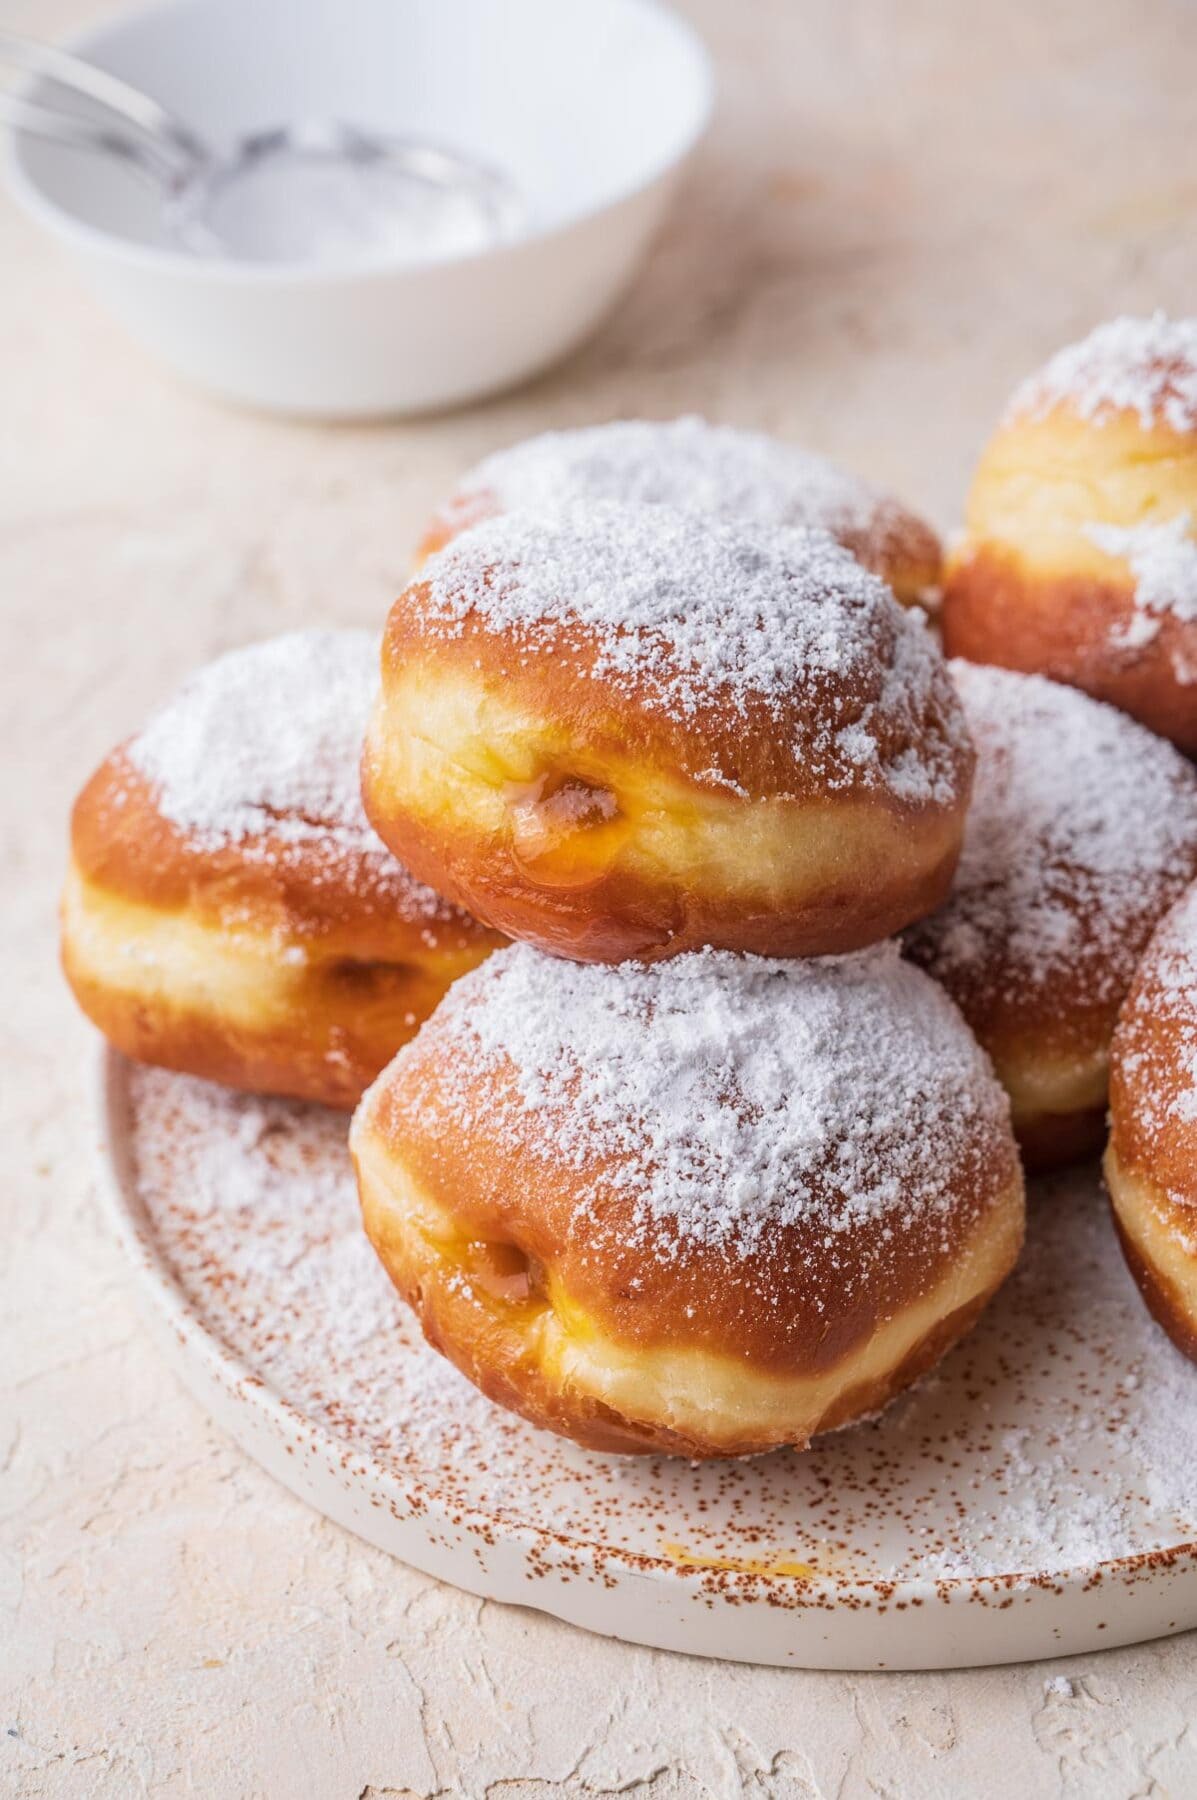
(592,106)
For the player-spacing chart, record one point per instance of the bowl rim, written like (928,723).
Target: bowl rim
(69,226)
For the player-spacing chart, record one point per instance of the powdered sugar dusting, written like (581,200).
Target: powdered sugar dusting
(254,1195)
(715,470)
(1161,1078)
(1083,829)
(1061,1434)
(685,615)
(1163,561)
(1145,366)
(266,739)
(265,743)
(730,1097)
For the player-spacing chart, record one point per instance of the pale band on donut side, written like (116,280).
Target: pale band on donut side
(1079,557)
(708,1206)
(1151,1159)
(1081,835)
(716,471)
(228,910)
(631,732)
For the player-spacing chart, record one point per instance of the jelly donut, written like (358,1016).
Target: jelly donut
(1151,1159)
(1079,559)
(692,466)
(228,910)
(630,732)
(1082,832)
(707,1206)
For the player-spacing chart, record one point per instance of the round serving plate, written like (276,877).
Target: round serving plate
(1037,1495)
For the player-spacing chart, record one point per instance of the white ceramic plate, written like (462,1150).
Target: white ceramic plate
(1036,1496)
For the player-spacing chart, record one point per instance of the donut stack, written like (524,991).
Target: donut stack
(750,893)
(669,1174)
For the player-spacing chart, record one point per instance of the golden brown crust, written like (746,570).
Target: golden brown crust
(566,810)
(998,610)
(901,548)
(1056,1022)
(346,900)
(1053,1140)
(273,965)
(762,745)
(342,1022)
(480,1343)
(457,514)
(1152,1142)
(542,1279)
(710,470)
(905,553)
(1081,835)
(709,1299)
(1153,1124)
(1169,1308)
(1078,559)
(562,902)
(1151,1159)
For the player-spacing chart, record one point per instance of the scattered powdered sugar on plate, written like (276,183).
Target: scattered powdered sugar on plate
(683,614)
(265,743)
(1163,561)
(254,1200)
(718,471)
(1082,831)
(1099,1458)
(1145,366)
(1060,1435)
(731,1097)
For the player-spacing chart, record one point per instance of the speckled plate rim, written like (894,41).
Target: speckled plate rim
(745,1615)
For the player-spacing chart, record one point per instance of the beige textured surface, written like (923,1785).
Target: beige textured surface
(901,210)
